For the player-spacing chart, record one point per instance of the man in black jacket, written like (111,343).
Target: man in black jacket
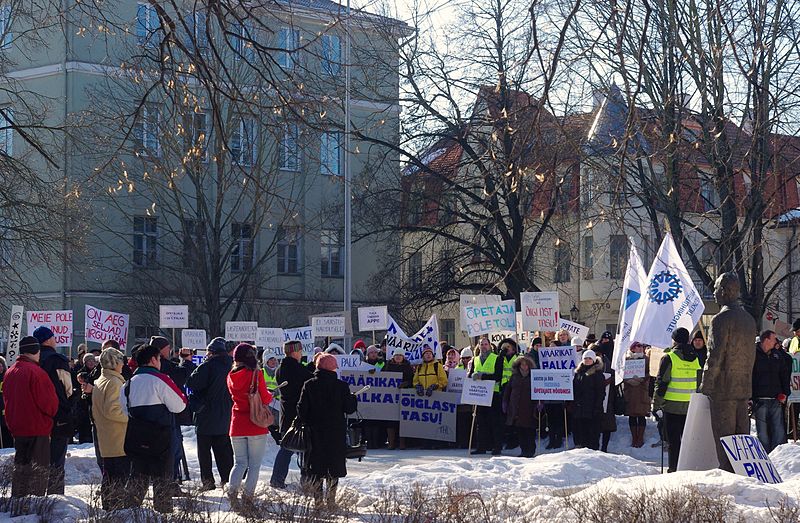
(770,390)
(295,374)
(212,405)
(57,368)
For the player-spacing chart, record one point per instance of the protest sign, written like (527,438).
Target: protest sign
(193,338)
(477,392)
(428,417)
(198,358)
(748,458)
(303,335)
(655,355)
(351,362)
(60,322)
(241,331)
(271,340)
(372,318)
(551,385)
(382,400)
(455,380)
(539,311)
(558,358)
(794,397)
(413,345)
(635,368)
(328,327)
(481,319)
(173,316)
(14,335)
(475,300)
(574,329)
(103,325)
(345,315)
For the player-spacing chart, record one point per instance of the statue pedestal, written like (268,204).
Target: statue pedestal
(698,448)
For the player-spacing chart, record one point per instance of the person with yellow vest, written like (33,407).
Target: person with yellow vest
(794,344)
(677,380)
(509,352)
(491,424)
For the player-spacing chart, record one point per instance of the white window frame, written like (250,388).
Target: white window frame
(289,41)
(330,248)
(330,154)
(147,130)
(242,244)
(148,251)
(241,41)
(290,147)
(615,242)
(194,133)
(415,271)
(5,27)
(288,237)
(243,142)
(197,40)
(146,26)
(331,54)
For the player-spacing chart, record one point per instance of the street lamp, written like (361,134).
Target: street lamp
(574,313)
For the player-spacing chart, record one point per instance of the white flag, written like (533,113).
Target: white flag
(670,300)
(632,288)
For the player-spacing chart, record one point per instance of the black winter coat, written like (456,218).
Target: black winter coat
(404,367)
(64,420)
(770,376)
(210,398)
(324,401)
(589,391)
(296,374)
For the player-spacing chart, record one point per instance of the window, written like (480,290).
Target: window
(708,193)
(193,243)
(415,271)
(290,152)
(289,40)
(242,41)
(588,187)
(448,331)
(196,136)
(196,40)
(145,237)
(288,250)
(563,262)
(618,257)
(6,131)
(588,257)
(146,130)
(330,153)
(242,254)
(331,253)
(331,54)
(242,145)
(147,25)
(5,27)
(565,191)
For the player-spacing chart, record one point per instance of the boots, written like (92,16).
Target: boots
(391,434)
(642,428)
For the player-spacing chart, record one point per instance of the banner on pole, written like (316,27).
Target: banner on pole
(475,300)
(271,340)
(198,358)
(103,325)
(173,316)
(633,286)
(193,338)
(539,311)
(428,417)
(60,322)
(14,334)
(241,331)
(482,319)
(382,400)
(477,392)
(551,385)
(413,345)
(328,326)
(794,397)
(372,318)
(748,458)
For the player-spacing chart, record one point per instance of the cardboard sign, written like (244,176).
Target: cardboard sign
(428,417)
(455,380)
(173,316)
(351,362)
(635,368)
(193,338)
(14,334)
(241,331)
(271,340)
(481,319)
(328,327)
(198,358)
(748,458)
(304,336)
(60,322)
(551,385)
(558,358)
(475,300)
(106,325)
(373,318)
(794,397)
(382,400)
(477,392)
(348,325)
(539,311)
(575,329)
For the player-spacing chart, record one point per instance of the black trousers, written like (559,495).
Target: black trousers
(31,466)
(58,456)
(674,424)
(223,455)
(555,420)
(159,471)
(491,426)
(113,489)
(527,440)
(586,432)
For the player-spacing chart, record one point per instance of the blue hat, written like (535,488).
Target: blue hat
(217,346)
(42,334)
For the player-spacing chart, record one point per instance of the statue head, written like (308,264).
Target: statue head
(726,289)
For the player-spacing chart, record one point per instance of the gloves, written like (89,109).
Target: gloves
(420,390)
(658,414)
(429,390)
(476,376)
(372,370)
(781,398)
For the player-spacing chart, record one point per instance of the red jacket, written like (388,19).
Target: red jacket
(239,381)
(31,400)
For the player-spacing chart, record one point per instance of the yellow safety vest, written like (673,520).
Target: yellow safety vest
(794,345)
(272,384)
(486,367)
(507,368)
(683,379)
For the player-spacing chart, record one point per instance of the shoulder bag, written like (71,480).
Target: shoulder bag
(260,415)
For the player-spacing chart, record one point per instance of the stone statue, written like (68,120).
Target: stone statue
(727,377)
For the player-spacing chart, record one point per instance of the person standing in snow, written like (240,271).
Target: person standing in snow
(555,409)
(430,375)
(518,406)
(587,404)
(398,363)
(270,371)
(771,388)
(488,366)
(6,439)
(637,396)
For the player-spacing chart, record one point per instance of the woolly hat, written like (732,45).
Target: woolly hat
(398,350)
(334,348)
(326,362)
(29,345)
(536,340)
(698,335)
(159,342)
(589,354)
(42,334)
(466,352)
(680,335)
(360,345)
(607,334)
(217,346)
(577,341)
(372,348)
(427,348)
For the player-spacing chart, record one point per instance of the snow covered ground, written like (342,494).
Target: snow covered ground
(538,484)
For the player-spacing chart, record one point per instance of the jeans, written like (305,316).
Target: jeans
(248,453)
(769,423)
(280,469)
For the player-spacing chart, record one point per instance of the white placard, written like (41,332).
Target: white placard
(748,458)
(348,362)
(328,326)
(14,334)
(575,329)
(193,338)
(241,331)
(558,358)
(173,316)
(539,311)
(103,325)
(635,368)
(198,358)
(271,340)
(475,300)
(455,380)
(551,385)
(482,319)
(60,322)
(373,318)
(478,392)
(304,336)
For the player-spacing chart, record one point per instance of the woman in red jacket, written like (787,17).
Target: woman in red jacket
(248,439)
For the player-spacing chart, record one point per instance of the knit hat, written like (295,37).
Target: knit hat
(577,341)
(42,334)
(466,352)
(698,335)
(591,338)
(217,346)
(159,342)
(326,362)
(398,350)
(29,345)
(536,340)
(89,357)
(426,348)
(334,348)
(360,345)
(796,325)
(317,350)
(245,353)
(372,348)
(680,335)
(589,354)
(607,334)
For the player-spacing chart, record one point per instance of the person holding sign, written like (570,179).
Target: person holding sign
(487,366)
(518,406)
(637,394)
(555,409)
(430,375)
(589,393)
